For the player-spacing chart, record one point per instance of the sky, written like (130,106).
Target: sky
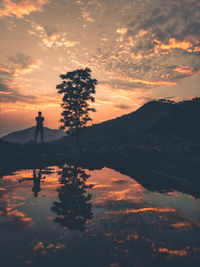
(138,50)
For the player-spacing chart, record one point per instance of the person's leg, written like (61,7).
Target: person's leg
(36,134)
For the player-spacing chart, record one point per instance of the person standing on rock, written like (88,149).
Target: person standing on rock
(39,126)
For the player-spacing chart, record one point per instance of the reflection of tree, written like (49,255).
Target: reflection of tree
(73,208)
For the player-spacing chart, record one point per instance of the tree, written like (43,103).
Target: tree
(77,88)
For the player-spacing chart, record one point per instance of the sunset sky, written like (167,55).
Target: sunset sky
(138,50)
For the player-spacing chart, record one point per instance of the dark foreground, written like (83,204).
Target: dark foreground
(70,216)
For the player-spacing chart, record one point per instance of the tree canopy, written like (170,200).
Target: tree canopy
(77,88)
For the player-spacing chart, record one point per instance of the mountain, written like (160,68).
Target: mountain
(127,125)
(27,135)
(183,121)
(162,117)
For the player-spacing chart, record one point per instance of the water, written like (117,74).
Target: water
(73,217)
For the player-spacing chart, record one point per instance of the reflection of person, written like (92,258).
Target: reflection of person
(36,182)
(37,177)
(39,126)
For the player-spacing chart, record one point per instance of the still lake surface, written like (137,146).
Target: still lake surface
(68,216)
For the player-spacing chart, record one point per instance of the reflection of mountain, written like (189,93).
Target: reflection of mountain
(73,208)
(27,135)
(157,181)
(149,177)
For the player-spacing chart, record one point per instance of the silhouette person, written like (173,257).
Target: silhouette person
(39,126)
(36,182)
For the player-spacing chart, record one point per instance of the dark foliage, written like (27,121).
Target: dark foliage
(183,120)
(77,88)
(73,208)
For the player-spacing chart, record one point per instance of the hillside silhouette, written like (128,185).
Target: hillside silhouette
(161,117)
(183,120)
(161,135)
(27,135)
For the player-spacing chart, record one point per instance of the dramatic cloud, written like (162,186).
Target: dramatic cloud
(122,31)
(21,7)
(137,50)
(22,64)
(19,64)
(155,43)
(51,39)
(190,44)
(87,17)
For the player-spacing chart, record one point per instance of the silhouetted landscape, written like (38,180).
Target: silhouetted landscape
(160,135)
(99,133)
(27,135)
(107,187)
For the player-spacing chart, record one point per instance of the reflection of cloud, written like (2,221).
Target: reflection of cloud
(42,249)
(19,218)
(107,182)
(185,226)
(171,253)
(21,7)
(151,209)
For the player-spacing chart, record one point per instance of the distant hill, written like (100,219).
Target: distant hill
(130,124)
(160,116)
(27,135)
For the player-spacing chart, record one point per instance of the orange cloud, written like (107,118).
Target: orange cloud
(87,17)
(122,31)
(19,68)
(21,8)
(32,64)
(186,70)
(142,33)
(130,40)
(147,82)
(50,40)
(5,93)
(190,44)
(3,69)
